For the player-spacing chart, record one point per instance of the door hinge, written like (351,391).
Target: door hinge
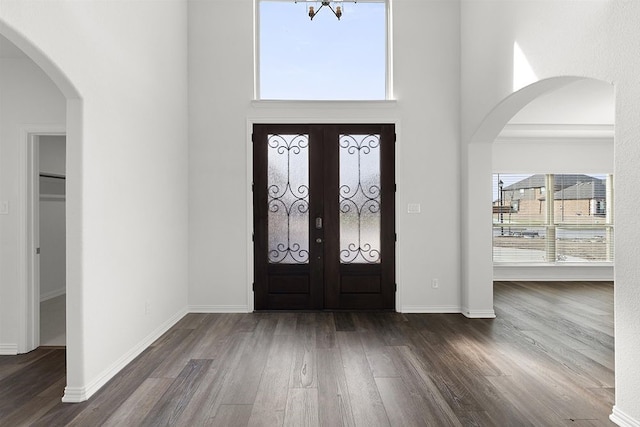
(395,287)
(395,188)
(253,237)
(37,251)
(253,286)
(253,137)
(252,187)
(395,237)
(395,138)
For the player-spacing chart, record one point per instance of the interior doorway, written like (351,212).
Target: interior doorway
(51,256)
(324,216)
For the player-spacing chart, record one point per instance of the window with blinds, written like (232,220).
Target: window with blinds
(552,218)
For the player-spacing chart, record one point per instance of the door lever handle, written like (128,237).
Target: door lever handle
(319,223)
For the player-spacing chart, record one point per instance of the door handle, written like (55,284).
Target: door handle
(319,223)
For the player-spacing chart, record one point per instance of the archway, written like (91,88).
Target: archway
(476,226)
(25,317)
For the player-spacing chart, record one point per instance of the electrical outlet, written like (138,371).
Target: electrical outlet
(435,283)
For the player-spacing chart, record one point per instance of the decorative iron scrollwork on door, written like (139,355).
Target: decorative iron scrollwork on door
(288,199)
(359,199)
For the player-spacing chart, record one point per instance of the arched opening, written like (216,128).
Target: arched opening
(20,328)
(477,193)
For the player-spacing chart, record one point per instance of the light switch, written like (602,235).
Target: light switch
(413,208)
(4,207)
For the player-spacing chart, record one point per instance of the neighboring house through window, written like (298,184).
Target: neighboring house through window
(572,222)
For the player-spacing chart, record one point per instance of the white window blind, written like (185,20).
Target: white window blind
(552,218)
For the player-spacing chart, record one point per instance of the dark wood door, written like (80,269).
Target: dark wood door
(324,224)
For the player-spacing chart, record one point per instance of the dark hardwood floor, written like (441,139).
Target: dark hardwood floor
(546,360)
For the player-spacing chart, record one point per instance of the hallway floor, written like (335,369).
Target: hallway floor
(546,360)
(53,326)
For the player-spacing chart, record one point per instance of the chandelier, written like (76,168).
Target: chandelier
(337,11)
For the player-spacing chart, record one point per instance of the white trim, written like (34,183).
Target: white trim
(8,349)
(479,314)
(622,419)
(546,272)
(29,298)
(552,132)
(80,394)
(249,217)
(53,294)
(219,309)
(75,394)
(322,104)
(430,309)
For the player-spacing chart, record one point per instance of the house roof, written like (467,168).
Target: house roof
(583,190)
(562,181)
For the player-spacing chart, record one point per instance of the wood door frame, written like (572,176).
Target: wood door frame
(386,116)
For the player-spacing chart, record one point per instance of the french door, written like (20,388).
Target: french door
(324,225)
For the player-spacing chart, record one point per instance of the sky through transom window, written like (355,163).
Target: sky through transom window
(324,58)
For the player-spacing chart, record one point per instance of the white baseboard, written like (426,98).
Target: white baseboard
(430,309)
(622,419)
(479,314)
(8,349)
(218,309)
(53,294)
(80,394)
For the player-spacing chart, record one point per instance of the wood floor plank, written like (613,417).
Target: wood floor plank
(419,383)
(304,372)
(302,408)
(231,415)
(333,392)
(401,406)
(134,410)
(366,404)
(271,399)
(286,323)
(208,397)
(325,330)
(377,353)
(242,390)
(344,321)
(171,404)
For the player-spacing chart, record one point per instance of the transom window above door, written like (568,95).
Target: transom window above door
(324,58)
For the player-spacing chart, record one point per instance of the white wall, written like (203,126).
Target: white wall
(562,38)
(53,246)
(426,83)
(127,172)
(27,98)
(53,149)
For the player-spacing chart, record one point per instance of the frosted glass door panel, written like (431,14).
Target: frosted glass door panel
(359,196)
(288,199)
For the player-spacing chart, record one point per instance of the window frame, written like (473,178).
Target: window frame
(389,96)
(553,224)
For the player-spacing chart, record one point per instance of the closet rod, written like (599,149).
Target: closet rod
(50,175)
